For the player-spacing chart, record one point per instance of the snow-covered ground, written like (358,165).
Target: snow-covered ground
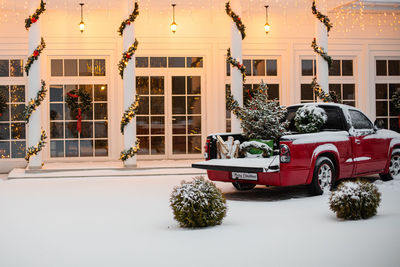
(128,222)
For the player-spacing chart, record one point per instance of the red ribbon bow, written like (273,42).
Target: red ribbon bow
(79,116)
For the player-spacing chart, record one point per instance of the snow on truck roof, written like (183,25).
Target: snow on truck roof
(342,106)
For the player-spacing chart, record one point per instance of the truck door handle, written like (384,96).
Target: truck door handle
(357,141)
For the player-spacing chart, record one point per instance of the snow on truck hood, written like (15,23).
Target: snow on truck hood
(319,137)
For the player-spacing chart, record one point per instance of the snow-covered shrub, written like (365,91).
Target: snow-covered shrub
(198,203)
(309,119)
(355,200)
(257,147)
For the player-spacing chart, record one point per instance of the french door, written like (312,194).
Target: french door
(170,116)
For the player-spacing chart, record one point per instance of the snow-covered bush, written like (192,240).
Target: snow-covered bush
(355,200)
(309,119)
(198,203)
(257,147)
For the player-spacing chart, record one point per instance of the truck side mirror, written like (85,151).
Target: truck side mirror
(378,124)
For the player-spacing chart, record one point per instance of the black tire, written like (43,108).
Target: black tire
(394,167)
(324,176)
(243,186)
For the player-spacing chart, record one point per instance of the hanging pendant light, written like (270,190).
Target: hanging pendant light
(267,27)
(81,24)
(173,24)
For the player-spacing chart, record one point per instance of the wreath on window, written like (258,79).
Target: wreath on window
(3,103)
(78,102)
(309,119)
(396,99)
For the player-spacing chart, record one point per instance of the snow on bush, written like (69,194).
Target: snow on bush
(355,200)
(309,119)
(198,203)
(249,145)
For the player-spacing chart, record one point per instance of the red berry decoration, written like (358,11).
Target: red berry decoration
(128,56)
(33,19)
(35,53)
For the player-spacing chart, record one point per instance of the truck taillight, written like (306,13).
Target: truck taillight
(284,153)
(207,149)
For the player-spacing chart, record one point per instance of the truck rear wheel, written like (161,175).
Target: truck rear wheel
(243,186)
(394,167)
(323,176)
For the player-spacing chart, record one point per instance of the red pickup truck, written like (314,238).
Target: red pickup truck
(348,145)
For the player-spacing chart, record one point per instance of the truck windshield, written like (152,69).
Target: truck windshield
(335,120)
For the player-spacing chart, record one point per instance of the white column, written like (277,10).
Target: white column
(322,41)
(236,75)
(129,87)
(34,126)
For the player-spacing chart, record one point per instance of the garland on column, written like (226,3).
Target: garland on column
(34,150)
(129,20)
(126,56)
(232,104)
(320,51)
(234,62)
(323,18)
(3,103)
(35,103)
(32,19)
(130,113)
(84,104)
(236,19)
(331,97)
(126,154)
(35,55)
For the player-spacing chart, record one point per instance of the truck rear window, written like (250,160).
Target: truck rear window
(335,120)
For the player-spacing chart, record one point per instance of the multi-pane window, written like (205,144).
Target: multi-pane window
(341,80)
(150,118)
(65,140)
(387,82)
(257,70)
(78,67)
(12,123)
(169,62)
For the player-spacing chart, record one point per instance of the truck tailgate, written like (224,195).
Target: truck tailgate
(241,164)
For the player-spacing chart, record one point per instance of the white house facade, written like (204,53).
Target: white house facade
(182,77)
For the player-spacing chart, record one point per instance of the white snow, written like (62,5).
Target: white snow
(128,222)
(320,137)
(244,162)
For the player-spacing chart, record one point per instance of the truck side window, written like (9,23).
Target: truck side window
(359,120)
(335,119)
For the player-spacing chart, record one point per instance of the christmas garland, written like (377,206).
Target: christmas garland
(126,154)
(32,19)
(35,55)
(309,119)
(3,103)
(323,18)
(236,19)
(232,104)
(320,51)
(81,107)
(35,103)
(34,150)
(234,62)
(331,97)
(129,20)
(130,113)
(126,56)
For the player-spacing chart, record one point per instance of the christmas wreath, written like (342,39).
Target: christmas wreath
(34,150)
(396,99)
(78,107)
(309,119)
(323,18)
(35,55)
(236,19)
(126,154)
(234,62)
(32,19)
(129,20)
(126,56)
(3,103)
(35,103)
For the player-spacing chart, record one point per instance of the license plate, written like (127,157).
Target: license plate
(244,176)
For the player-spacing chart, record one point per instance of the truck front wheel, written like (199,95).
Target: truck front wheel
(243,186)
(394,167)
(323,176)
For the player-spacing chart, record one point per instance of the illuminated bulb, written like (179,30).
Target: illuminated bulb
(81,26)
(267,27)
(173,27)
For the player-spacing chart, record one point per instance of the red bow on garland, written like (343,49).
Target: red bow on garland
(79,116)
